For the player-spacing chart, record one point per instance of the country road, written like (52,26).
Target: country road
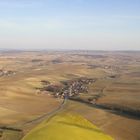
(45,116)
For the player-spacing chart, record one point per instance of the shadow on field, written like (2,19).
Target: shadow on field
(131,114)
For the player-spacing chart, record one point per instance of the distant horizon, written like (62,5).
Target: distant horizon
(15,49)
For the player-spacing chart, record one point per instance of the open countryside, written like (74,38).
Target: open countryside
(84,90)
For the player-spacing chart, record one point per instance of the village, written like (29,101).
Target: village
(6,72)
(68,88)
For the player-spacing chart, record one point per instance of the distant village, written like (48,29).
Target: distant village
(6,72)
(68,88)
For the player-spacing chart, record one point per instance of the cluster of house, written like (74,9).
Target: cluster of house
(6,73)
(69,88)
(100,66)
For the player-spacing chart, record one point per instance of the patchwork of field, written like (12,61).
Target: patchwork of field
(112,102)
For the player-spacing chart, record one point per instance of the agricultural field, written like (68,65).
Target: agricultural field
(79,128)
(86,90)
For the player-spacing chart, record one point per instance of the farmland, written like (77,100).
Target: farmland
(101,87)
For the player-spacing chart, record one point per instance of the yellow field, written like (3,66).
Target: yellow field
(67,127)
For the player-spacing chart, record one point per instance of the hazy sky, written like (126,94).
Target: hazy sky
(70,24)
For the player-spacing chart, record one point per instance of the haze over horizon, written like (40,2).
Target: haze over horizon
(70,24)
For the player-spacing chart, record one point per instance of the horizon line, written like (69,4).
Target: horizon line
(105,50)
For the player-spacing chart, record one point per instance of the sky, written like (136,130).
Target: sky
(70,24)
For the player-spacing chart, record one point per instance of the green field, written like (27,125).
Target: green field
(66,127)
